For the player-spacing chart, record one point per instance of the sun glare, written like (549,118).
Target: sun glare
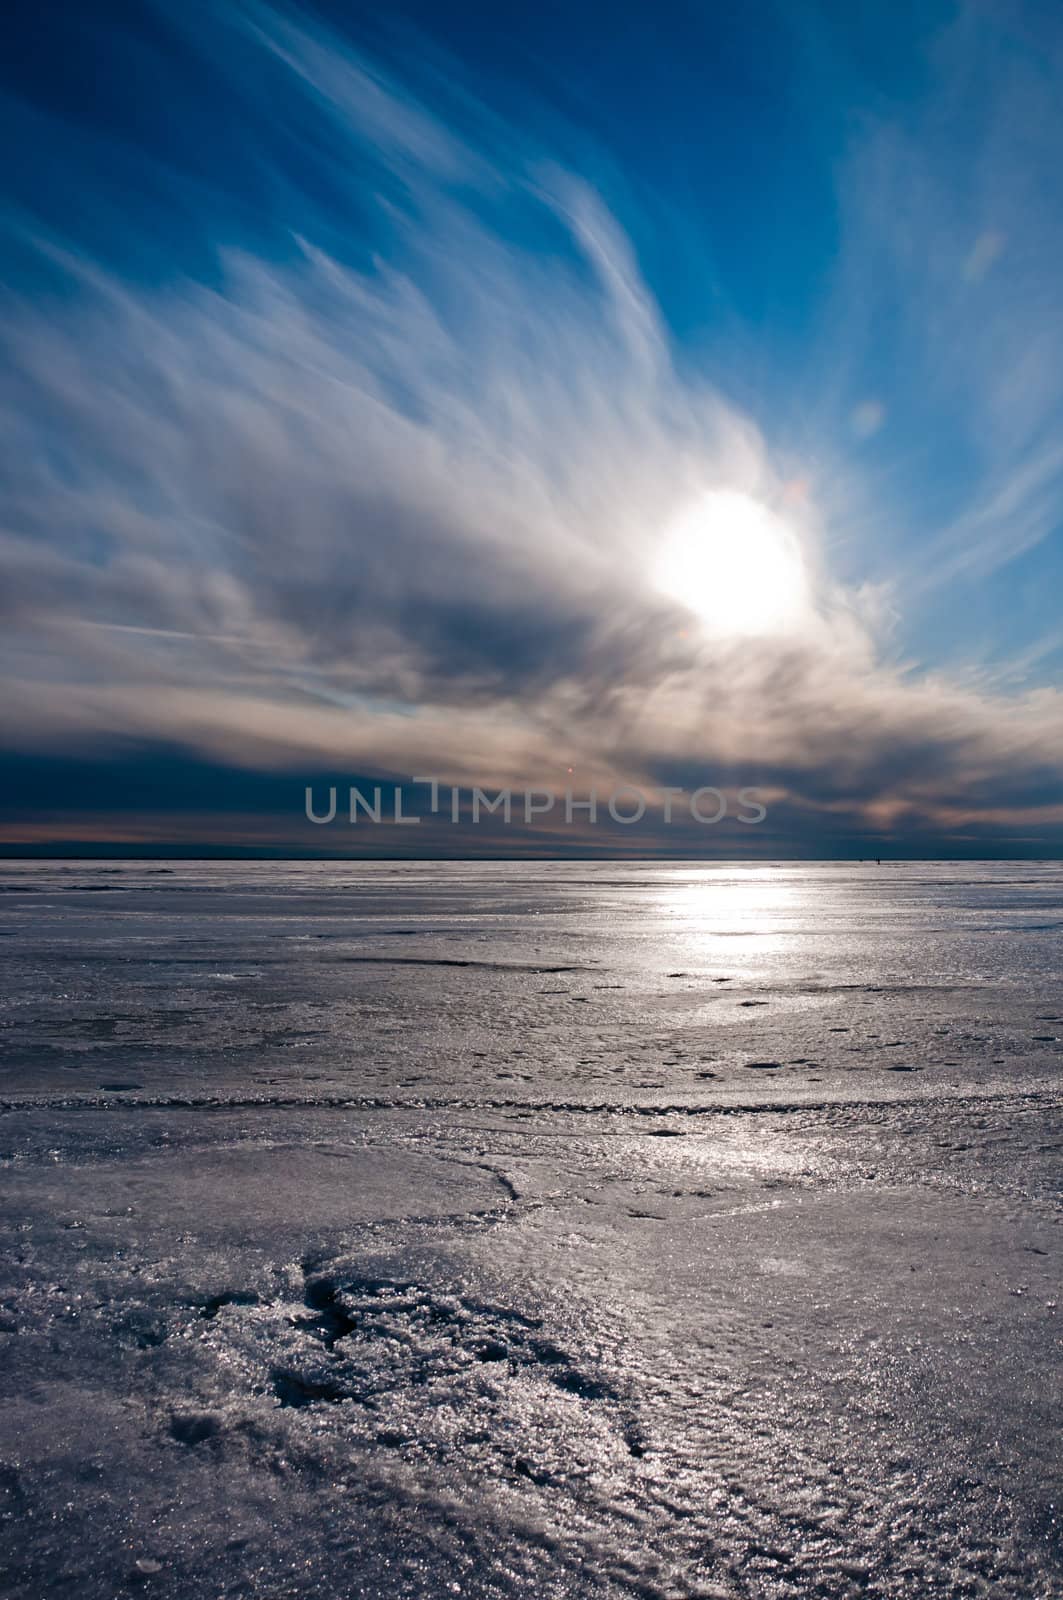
(735,564)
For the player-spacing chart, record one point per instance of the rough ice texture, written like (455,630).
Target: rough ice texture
(559,1231)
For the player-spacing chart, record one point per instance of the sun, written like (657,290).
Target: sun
(736,564)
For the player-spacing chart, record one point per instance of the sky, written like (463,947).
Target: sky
(541,397)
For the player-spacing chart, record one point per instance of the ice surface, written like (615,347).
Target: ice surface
(430,1230)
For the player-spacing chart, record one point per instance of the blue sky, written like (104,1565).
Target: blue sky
(363,363)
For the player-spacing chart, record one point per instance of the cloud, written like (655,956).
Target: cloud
(946,291)
(319,509)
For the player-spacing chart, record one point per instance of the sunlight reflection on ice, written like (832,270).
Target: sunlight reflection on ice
(751,903)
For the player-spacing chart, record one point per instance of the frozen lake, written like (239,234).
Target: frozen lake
(591,1229)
